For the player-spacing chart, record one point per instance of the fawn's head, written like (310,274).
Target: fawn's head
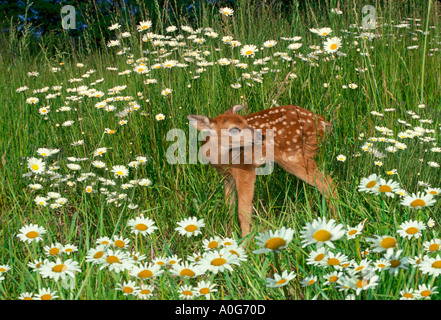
(230,129)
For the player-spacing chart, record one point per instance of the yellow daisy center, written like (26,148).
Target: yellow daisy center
(187,272)
(213,244)
(333,279)
(218,262)
(408,295)
(322,235)
(191,228)
(281,281)
(371,184)
(141,227)
(112,259)
(433,192)
(119,243)
(333,46)
(248,52)
(128,289)
(425,293)
(417,203)
(146,291)
(333,262)
(145,274)
(187,293)
(388,242)
(434,247)
(59,268)
(319,257)
(204,291)
(275,243)
(385,188)
(32,234)
(437,264)
(98,255)
(412,230)
(46,297)
(35,167)
(54,251)
(352,232)
(395,263)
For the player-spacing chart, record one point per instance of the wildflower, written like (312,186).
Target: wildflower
(228,12)
(367,184)
(60,269)
(351,233)
(383,243)
(332,45)
(426,291)
(248,50)
(204,288)
(418,201)
(30,233)
(388,188)
(37,166)
(145,291)
(411,229)
(46,294)
(186,292)
(432,246)
(186,270)
(280,280)
(120,171)
(215,262)
(142,225)
(321,232)
(145,271)
(144,25)
(341,158)
(308,281)
(190,226)
(128,288)
(274,240)
(395,262)
(160,117)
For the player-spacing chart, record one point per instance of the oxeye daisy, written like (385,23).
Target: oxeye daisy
(367,184)
(186,292)
(190,226)
(433,191)
(336,260)
(248,50)
(280,280)
(53,249)
(166,91)
(26,296)
(161,261)
(274,241)
(160,117)
(120,242)
(128,288)
(94,255)
(426,291)
(365,283)
(396,263)
(145,291)
(114,260)
(120,171)
(352,232)
(341,158)
(186,270)
(144,25)
(226,11)
(204,288)
(418,201)
(409,294)
(30,233)
(269,43)
(215,262)
(37,166)
(142,225)
(99,152)
(104,241)
(294,46)
(46,294)
(432,246)
(32,100)
(332,45)
(212,243)
(146,271)
(386,187)
(332,278)
(308,281)
(431,266)
(321,232)
(381,264)
(411,229)
(173,260)
(60,269)
(383,243)
(316,257)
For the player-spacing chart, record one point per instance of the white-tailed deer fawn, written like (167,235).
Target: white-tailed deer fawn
(235,146)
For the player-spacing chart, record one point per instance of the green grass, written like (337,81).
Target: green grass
(395,77)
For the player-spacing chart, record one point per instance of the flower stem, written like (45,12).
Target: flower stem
(276,263)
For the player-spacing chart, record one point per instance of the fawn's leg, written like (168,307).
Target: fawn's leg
(307,170)
(230,196)
(245,191)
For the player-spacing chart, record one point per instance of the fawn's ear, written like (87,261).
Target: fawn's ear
(235,108)
(201,123)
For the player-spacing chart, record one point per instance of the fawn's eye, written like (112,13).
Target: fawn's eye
(234,130)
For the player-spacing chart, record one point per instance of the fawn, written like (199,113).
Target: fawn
(291,140)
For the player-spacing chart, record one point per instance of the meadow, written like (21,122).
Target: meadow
(92,210)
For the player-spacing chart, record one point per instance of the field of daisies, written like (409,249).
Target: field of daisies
(92,210)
